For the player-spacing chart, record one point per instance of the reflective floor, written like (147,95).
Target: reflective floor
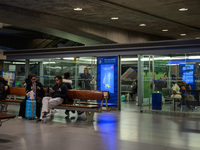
(116,130)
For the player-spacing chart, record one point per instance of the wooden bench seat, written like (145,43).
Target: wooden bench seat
(5,117)
(76,95)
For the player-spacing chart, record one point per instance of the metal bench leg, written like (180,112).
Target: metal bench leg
(1,108)
(89,116)
(4,107)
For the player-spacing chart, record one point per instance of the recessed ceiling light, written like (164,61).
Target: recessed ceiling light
(114,18)
(78,9)
(183,34)
(183,9)
(165,30)
(142,25)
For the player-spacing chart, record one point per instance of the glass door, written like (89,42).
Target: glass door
(147,80)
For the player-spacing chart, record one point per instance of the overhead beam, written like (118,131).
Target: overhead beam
(79,31)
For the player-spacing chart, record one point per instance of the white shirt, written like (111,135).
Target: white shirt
(176,88)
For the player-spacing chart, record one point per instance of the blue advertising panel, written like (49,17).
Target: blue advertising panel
(188,74)
(107,76)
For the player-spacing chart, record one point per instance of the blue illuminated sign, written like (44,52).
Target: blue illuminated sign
(107,76)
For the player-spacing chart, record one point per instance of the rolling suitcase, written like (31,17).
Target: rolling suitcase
(30,111)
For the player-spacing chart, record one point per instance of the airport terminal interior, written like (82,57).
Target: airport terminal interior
(134,68)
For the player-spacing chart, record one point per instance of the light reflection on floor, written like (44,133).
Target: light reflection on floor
(116,130)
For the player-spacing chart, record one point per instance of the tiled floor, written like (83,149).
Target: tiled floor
(116,130)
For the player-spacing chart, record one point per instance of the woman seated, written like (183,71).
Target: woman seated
(58,95)
(38,98)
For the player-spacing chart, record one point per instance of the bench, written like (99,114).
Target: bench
(89,107)
(4,117)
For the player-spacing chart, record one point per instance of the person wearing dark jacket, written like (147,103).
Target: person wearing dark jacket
(38,98)
(4,88)
(39,88)
(58,95)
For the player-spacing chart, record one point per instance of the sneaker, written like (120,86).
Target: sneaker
(38,120)
(45,115)
(54,111)
(41,121)
(20,117)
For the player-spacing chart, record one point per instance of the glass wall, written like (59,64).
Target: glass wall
(175,78)
(82,70)
(17,66)
(129,69)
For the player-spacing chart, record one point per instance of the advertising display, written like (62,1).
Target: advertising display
(107,76)
(10,77)
(188,73)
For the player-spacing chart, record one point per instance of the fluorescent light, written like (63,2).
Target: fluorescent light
(163,58)
(183,34)
(129,59)
(183,9)
(78,9)
(193,57)
(19,63)
(49,62)
(69,58)
(142,25)
(165,30)
(114,18)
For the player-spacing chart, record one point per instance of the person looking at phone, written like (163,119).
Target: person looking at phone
(58,95)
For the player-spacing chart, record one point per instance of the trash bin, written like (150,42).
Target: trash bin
(156,101)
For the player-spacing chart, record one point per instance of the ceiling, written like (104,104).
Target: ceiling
(156,14)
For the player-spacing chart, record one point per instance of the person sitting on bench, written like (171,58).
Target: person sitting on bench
(176,91)
(4,88)
(39,96)
(68,82)
(58,95)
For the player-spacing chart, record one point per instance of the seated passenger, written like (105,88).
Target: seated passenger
(176,91)
(186,94)
(58,95)
(39,96)
(4,88)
